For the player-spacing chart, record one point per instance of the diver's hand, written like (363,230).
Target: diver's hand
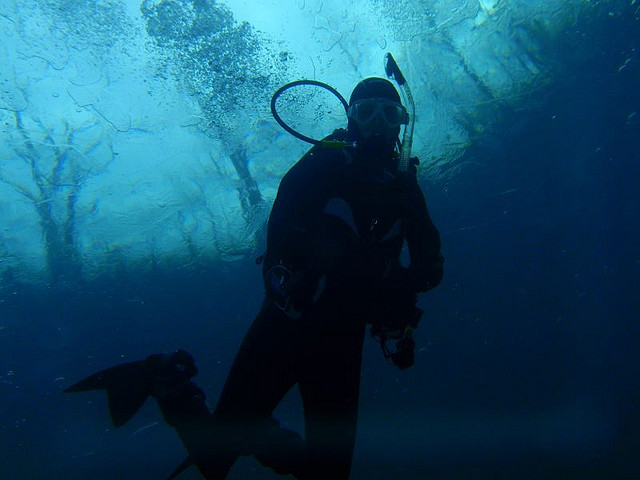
(398,301)
(294,292)
(304,290)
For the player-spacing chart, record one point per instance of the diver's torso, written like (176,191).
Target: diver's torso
(357,231)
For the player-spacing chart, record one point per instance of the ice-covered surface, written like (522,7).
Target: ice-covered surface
(139,135)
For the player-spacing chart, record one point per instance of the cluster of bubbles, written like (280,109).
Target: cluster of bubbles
(227,66)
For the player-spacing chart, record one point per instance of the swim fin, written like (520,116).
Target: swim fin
(128,385)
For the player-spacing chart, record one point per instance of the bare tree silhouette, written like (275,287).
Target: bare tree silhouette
(58,166)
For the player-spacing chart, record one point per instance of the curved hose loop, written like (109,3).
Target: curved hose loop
(296,83)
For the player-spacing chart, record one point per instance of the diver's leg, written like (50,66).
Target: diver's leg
(262,373)
(242,423)
(167,378)
(183,406)
(276,352)
(330,386)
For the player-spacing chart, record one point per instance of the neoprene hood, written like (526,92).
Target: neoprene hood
(374,87)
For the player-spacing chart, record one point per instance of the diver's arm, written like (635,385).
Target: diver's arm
(423,239)
(290,273)
(287,231)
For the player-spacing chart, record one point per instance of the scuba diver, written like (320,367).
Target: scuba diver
(332,266)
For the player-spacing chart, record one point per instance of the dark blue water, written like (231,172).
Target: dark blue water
(528,363)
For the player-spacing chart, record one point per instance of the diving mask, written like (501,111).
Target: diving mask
(366,111)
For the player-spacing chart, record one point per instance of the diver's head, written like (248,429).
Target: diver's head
(376,113)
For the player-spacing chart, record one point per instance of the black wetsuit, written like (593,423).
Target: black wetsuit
(337,225)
